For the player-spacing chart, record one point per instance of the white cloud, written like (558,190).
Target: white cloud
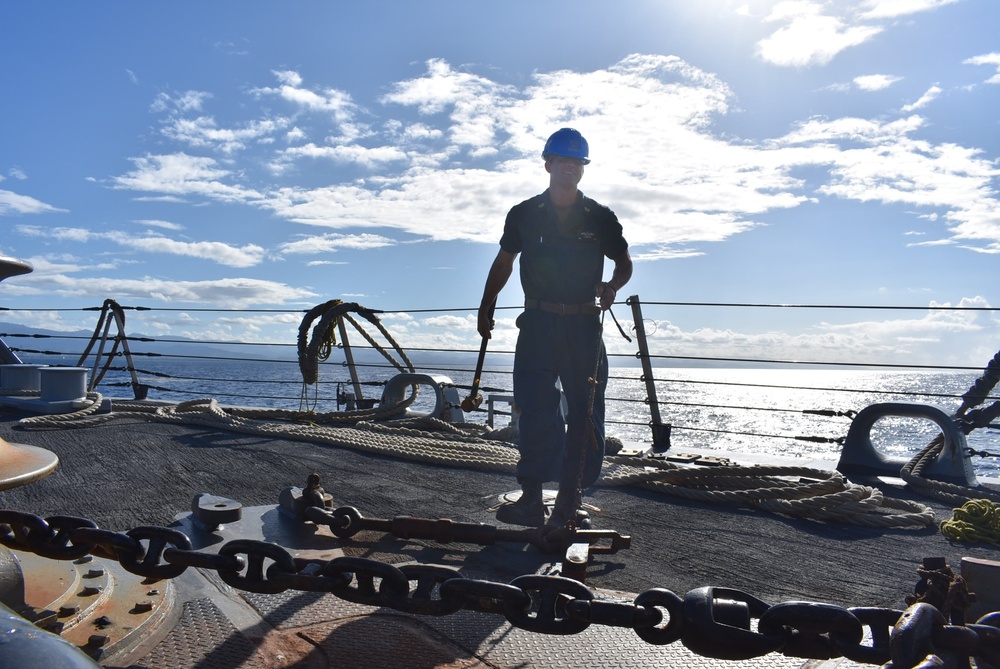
(334,104)
(910,339)
(928,97)
(987,59)
(331,243)
(933,326)
(12,203)
(165,225)
(664,252)
(881,162)
(236,293)
(321,263)
(182,102)
(288,78)
(360,155)
(890,9)
(224,254)
(814,33)
(69,278)
(185,123)
(421,131)
(649,120)
(203,132)
(75,235)
(181,174)
(820,131)
(808,36)
(65,264)
(474,103)
(875,82)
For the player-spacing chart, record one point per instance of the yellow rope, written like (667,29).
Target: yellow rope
(976,521)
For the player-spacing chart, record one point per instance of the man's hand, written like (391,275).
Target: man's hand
(485,323)
(606,293)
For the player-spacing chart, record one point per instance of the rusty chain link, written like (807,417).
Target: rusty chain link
(709,621)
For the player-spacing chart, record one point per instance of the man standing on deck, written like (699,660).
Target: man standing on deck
(563,238)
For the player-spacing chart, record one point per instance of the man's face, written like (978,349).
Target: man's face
(564,171)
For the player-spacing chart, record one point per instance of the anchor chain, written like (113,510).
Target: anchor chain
(917,637)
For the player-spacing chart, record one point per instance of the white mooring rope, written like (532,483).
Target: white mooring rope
(800,492)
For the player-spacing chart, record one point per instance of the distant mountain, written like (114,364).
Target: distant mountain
(29,342)
(40,345)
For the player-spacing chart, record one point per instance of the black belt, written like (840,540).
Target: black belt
(563,309)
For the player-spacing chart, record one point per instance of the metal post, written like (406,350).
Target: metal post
(8,356)
(661,432)
(98,355)
(139,390)
(349,356)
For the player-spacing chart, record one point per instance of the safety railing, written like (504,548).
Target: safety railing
(657,387)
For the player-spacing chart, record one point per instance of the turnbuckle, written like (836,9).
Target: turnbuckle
(347,521)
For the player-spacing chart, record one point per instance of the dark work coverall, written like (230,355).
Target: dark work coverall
(561,264)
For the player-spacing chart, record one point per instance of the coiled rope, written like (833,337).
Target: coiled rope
(809,493)
(312,348)
(976,521)
(912,472)
(951,493)
(822,495)
(317,341)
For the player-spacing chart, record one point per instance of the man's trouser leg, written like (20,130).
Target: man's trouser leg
(584,372)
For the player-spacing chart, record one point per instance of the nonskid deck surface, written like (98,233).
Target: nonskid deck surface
(125,473)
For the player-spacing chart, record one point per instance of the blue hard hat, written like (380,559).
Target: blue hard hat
(567,142)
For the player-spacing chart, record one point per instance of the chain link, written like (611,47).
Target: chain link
(153,564)
(879,622)
(709,621)
(814,628)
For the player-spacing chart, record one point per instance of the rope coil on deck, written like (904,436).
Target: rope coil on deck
(816,494)
(978,520)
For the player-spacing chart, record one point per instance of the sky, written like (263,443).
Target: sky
(274,155)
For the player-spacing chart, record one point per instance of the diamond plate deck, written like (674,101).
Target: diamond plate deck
(204,637)
(352,635)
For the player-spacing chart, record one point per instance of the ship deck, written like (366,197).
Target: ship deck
(127,473)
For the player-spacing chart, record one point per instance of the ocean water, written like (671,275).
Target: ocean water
(765,411)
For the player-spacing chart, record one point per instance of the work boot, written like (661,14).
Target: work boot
(566,510)
(528,510)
